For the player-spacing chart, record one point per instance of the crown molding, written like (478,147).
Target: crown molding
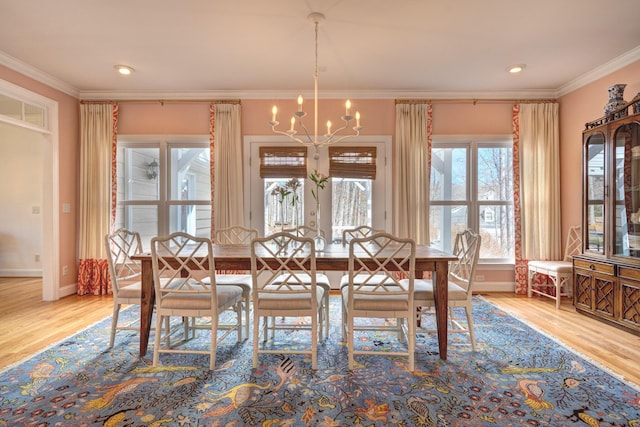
(605,69)
(38,75)
(326,94)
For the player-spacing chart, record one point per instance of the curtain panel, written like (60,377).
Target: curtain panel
(538,226)
(226,166)
(411,171)
(97,148)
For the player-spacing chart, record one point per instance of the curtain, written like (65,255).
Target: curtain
(411,171)
(97,137)
(538,225)
(227,207)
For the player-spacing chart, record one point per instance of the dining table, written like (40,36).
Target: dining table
(334,257)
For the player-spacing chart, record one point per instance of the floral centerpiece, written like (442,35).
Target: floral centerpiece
(320,180)
(281,193)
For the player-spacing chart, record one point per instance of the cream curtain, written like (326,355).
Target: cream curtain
(96,138)
(540,181)
(227,168)
(411,171)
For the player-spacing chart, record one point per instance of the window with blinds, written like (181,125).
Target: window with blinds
(283,162)
(352,162)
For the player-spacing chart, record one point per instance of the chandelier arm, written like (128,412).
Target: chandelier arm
(306,131)
(343,137)
(288,134)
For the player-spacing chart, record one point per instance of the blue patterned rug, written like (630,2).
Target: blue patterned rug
(517,377)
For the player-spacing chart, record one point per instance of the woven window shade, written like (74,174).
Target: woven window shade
(283,162)
(352,162)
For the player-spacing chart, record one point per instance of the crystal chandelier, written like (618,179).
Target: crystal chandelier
(315,140)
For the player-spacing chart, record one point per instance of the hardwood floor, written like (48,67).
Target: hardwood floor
(27,324)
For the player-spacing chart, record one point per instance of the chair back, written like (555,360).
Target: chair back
(574,243)
(120,246)
(235,235)
(283,262)
(467,249)
(182,264)
(362,231)
(383,264)
(305,231)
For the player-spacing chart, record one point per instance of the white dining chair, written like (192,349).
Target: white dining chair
(372,297)
(283,267)
(181,263)
(125,275)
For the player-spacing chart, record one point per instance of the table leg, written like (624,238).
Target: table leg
(441,296)
(146,305)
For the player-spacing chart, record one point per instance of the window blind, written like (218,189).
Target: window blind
(283,162)
(352,162)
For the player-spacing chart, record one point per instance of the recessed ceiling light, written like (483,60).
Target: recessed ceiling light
(515,69)
(124,70)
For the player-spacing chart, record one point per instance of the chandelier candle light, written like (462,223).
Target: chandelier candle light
(316,141)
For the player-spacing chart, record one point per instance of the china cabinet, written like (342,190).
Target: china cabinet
(606,276)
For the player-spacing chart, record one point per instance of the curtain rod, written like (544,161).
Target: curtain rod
(472,101)
(159,101)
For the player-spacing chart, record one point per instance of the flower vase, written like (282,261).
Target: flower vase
(318,240)
(616,99)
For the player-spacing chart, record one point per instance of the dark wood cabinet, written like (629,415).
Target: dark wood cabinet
(606,276)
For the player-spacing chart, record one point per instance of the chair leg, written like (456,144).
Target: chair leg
(256,333)
(114,323)
(350,341)
(247,313)
(472,334)
(156,344)
(314,341)
(214,341)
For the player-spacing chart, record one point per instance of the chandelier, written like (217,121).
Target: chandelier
(315,140)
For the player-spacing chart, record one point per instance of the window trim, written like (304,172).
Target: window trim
(472,143)
(384,175)
(163,143)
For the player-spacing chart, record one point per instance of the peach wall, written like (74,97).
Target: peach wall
(170,118)
(69,145)
(469,119)
(577,108)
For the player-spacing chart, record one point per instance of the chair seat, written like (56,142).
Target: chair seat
(360,278)
(227,295)
(243,280)
(322,279)
(423,291)
(379,303)
(130,290)
(551,266)
(288,301)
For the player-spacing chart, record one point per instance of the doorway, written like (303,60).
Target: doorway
(36,121)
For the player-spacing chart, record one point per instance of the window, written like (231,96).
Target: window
(347,200)
(472,187)
(352,171)
(283,195)
(164,186)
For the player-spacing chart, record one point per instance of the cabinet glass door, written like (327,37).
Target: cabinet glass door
(594,193)
(627,190)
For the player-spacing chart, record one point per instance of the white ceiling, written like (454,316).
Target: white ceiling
(367,48)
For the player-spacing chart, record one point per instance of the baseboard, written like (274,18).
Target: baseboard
(65,291)
(494,287)
(26,272)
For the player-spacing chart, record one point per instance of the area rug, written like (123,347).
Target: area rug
(517,377)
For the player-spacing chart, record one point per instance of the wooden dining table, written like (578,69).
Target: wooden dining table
(334,257)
